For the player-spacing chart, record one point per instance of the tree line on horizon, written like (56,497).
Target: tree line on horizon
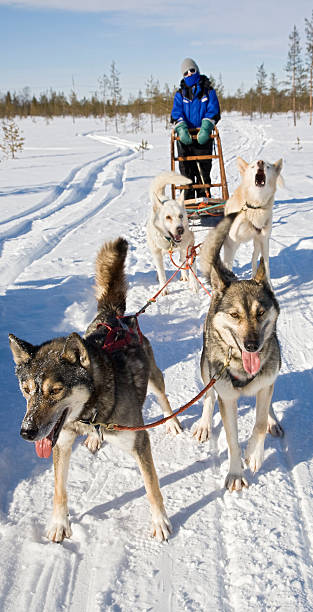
(268,96)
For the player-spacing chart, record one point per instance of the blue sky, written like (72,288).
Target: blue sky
(50,43)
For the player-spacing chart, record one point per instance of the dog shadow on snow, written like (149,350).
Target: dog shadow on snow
(282,454)
(290,269)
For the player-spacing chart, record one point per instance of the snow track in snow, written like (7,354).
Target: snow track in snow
(81,197)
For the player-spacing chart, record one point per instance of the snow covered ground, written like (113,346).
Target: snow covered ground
(73,187)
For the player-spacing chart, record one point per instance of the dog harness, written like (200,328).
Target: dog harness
(120,336)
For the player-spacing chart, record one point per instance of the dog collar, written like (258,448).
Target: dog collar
(246,206)
(171,241)
(237,382)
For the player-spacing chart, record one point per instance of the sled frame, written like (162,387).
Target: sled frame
(203,205)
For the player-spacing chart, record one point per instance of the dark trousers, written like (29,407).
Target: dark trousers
(190,168)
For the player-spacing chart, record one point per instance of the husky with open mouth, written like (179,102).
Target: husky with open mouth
(167,228)
(76,386)
(240,331)
(253,200)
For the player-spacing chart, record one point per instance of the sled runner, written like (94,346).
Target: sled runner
(209,204)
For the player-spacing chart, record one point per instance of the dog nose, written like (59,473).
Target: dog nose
(180,230)
(261,164)
(28,431)
(251,346)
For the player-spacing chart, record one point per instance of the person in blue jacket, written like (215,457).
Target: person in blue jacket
(195,105)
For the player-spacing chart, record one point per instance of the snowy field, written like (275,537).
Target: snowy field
(73,187)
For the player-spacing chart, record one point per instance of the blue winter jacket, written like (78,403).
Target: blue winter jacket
(192,104)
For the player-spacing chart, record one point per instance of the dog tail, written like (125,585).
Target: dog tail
(111,285)
(157,187)
(211,248)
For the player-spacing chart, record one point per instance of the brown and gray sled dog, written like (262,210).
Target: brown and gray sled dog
(168,227)
(72,381)
(241,322)
(253,200)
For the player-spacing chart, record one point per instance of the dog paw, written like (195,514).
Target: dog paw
(161,526)
(254,456)
(202,432)
(58,530)
(173,426)
(93,442)
(275,429)
(164,292)
(235,482)
(194,288)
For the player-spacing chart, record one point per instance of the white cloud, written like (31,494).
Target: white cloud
(91,6)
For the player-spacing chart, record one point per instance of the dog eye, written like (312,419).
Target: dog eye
(181,216)
(56,389)
(168,218)
(234,315)
(260,313)
(26,390)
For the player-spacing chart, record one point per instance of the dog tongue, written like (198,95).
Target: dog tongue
(251,362)
(43,448)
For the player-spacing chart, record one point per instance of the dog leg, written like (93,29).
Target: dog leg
(254,454)
(273,426)
(230,248)
(255,255)
(59,526)
(161,526)
(156,383)
(235,480)
(203,429)
(93,441)
(193,283)
(182,257)
(159,264)
(265,249)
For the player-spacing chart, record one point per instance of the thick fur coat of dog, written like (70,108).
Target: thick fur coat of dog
(71,382)
(240,324)
(253,200)
(167,228)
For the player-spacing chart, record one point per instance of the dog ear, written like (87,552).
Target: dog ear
(260,276)
(74,350)
(156,202)
(22,351)
(181,198)
(242,165)
(278,165)
(216,280)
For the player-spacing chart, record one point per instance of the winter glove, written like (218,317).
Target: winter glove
(183,134)
(206,128)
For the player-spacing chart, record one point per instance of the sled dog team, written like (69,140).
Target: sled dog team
(78,386)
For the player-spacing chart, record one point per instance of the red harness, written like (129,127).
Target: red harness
(120,336)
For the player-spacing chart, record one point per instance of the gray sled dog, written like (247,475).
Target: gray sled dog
(71,382)
(253,200)
(168,227)
(240,324)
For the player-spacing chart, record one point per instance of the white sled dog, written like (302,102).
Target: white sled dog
(253,200)
(168,227)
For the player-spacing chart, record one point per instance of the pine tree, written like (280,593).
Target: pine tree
(152,91)
(12,140)
(309,56)
(261,77)
(273,91)
(115,91)
(295,71)
(103,83)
